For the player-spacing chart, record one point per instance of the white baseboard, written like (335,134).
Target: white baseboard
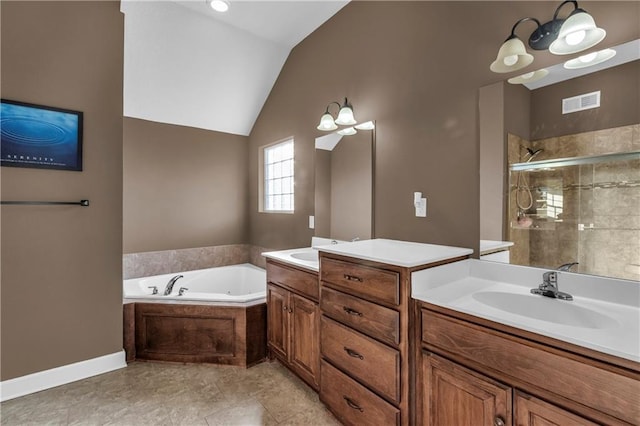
(42,380)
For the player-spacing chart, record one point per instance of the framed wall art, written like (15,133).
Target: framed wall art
(38,136)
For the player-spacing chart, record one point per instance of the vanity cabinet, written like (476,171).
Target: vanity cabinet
(293,320)
(365,342)
(477,372)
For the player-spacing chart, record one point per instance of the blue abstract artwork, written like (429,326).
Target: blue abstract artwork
(40,137)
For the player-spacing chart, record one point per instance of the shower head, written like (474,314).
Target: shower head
(532,153)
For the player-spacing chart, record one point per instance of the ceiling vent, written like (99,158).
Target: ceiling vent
(581,102)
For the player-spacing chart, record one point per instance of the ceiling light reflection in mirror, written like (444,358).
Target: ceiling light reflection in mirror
(602,59)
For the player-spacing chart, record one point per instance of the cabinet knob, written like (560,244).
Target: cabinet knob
(498,421)
(284,308)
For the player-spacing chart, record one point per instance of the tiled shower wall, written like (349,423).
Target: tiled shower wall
(136,265)
(602,198)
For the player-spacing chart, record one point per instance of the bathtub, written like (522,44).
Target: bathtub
(221,317)
(226,284)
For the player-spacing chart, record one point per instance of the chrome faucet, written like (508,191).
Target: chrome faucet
(566,266)
(549,287)
(169,287)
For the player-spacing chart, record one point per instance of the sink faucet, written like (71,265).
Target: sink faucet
(549,287)
(169,287)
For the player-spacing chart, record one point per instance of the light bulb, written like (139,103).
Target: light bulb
(575,37)
(510,60)
(588,58)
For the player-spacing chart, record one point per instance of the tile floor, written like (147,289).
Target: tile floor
(173,394)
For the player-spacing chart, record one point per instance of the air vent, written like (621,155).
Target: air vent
(580,103)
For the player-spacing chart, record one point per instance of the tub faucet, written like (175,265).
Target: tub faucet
(169,287)
(549,287)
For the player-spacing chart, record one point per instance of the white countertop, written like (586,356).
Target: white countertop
(489,246)
(612,306)
(399,253)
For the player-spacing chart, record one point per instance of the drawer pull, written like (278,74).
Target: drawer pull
(352,312)
(353,353)
(352,278)
(352,404)
(498,421)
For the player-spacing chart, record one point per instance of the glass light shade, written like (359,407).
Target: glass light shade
(529,77)
(367,125)
(348,131)
(591,59)
(345,116)
(578,33)
(327,123)
(512,56)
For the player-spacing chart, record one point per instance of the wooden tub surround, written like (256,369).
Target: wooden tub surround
(231,335)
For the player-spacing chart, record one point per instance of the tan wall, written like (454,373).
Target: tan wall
(62,266)
(183,187)
(619,102)
(416,68)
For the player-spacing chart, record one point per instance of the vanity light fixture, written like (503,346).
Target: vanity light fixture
(345,117)
(590,59)
(219,5)
(529,77)
(574,34)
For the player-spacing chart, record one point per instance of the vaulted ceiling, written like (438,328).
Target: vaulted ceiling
(186,64)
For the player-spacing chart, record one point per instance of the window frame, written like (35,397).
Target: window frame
(262,184)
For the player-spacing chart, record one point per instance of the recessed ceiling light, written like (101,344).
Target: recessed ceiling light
(219,5)
(590,59)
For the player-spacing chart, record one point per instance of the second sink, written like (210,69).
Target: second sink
(545,309)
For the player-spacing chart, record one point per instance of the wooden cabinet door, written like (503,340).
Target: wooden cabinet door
(530,411)
(455,396)
(305,338)
(278,321)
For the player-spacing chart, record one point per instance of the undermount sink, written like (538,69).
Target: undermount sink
(546,309)
(309,255)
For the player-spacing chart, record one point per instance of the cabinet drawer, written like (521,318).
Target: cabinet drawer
(301,282)
(578,379)
(369,361)
(369,283)
(370,318)
(352,403)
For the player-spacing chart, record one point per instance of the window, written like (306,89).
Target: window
(277,188)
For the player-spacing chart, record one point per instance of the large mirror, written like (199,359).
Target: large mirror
(344,185)
(560,169)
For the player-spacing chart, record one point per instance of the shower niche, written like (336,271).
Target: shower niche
(571,203)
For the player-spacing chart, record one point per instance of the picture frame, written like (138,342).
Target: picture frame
(41,137)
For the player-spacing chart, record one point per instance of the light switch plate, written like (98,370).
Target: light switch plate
(421,208)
